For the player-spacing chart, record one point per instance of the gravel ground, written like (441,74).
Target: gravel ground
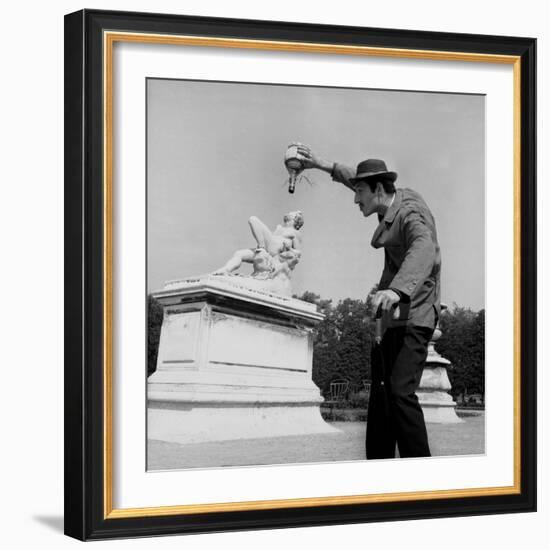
(466,438)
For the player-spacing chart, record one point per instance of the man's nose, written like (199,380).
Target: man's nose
(356,198)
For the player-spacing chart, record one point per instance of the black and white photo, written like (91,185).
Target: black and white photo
(280,219)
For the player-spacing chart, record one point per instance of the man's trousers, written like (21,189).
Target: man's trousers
(396,416)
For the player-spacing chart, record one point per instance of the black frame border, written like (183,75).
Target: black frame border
(84,257)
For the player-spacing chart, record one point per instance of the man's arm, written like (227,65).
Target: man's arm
(338,172)
(387,277)
(416,267)
(420,255)
(343,174)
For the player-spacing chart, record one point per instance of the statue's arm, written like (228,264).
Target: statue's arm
(297,242)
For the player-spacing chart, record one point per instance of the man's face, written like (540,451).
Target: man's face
(367,200)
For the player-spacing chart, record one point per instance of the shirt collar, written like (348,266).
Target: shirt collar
(393,207)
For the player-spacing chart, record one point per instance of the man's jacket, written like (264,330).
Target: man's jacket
(412,259)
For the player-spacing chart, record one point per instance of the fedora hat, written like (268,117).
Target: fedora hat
(373,168)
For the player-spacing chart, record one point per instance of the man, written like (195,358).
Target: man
(408,295)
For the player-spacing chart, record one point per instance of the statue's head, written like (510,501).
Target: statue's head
(296,217)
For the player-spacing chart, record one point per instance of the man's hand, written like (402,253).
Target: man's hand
(387,301)
(311,160)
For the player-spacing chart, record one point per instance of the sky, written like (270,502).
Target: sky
(215,157)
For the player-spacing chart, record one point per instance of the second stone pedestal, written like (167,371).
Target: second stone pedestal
(433,392)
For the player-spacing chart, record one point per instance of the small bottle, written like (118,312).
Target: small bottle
(293,164)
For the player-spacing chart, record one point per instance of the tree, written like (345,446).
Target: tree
(342,341)
(154,324)
(325,341)
(463,343)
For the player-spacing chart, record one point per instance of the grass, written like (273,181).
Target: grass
(466,438)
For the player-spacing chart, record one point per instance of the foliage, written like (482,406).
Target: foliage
(342,344)
(463,343)
(358,399)
(154,323)
(342,341)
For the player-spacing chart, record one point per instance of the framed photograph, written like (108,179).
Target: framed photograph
(300,274)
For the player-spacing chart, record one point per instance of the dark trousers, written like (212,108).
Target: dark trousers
(394,414)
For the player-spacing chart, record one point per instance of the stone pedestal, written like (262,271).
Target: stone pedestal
(233,363)
(437,404)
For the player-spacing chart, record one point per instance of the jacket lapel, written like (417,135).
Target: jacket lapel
(376,235)
(387,219)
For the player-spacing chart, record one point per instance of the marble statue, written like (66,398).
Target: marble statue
(276,255)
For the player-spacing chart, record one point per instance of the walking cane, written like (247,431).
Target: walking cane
(379,443)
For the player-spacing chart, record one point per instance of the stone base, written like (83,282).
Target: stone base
(181,423)
(438,407)
(233,363)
